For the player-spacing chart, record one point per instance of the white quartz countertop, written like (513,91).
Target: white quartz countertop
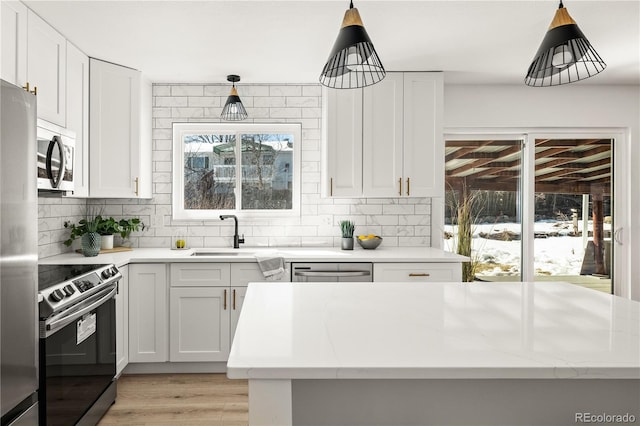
(435,330)
(248,254)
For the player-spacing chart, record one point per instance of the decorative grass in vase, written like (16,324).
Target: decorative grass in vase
(347,227)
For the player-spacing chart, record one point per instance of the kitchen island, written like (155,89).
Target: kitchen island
(542,353)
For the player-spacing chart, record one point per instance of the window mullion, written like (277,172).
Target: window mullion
(238,154)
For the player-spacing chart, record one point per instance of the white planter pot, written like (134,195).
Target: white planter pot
(107,242)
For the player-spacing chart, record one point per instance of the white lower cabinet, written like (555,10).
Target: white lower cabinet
(199,324)
(237,299)
(122,321)
(148,313)
(417,272)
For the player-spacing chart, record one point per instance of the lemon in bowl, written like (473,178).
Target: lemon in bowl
(369,241)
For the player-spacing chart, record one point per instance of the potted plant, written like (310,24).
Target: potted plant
(107,227)
(127,226)
(347,227)
(87,230)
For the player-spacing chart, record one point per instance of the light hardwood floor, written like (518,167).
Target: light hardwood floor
(179,399)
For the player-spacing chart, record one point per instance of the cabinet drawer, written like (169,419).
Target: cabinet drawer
(200,275)
(416,272)
(244,273)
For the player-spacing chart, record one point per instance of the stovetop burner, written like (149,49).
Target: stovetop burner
(49,275)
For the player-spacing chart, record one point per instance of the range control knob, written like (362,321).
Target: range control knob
(106,273)
(56,295)
(114,270)
(68,290)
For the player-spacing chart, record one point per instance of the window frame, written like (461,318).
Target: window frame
(177,197)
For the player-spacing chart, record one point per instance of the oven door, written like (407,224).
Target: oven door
(77,359)
(55,160)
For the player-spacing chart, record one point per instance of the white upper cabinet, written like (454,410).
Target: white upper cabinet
(423,149)
(343,151)
(119,132)
(382,137)
(46,68)
(14,42)
(78,115)
(386,140)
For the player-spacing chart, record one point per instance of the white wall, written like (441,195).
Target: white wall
(573,106)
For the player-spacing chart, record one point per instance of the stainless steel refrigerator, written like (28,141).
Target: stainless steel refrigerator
(18,257)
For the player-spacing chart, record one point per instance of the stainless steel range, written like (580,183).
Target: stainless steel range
(77,342)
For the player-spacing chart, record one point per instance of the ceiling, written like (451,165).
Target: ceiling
(474,42)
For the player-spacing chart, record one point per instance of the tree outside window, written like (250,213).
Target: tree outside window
(235,168)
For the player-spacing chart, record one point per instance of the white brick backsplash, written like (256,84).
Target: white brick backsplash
(398,209)
(202,101)
(269,101)
(187,112)
(167,101)
(293,90)
(160,90)
(187,90)
(315,90)
(404,222)
(285,112)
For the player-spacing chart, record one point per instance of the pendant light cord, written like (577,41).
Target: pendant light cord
(561,5)
(351,4)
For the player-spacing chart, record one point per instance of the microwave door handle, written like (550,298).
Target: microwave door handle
(55,181)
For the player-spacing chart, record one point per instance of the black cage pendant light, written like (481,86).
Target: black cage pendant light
(353,61)
(233,110)
(565,55)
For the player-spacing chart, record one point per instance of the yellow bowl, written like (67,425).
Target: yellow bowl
(371,243)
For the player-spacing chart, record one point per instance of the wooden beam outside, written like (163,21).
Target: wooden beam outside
(572,142)
(483,160)
(476,143)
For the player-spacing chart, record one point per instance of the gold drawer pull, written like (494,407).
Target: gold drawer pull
(234,299)
(225,299)
(331,187)
(408,186)
(137,184)
(416,274)
(400,183)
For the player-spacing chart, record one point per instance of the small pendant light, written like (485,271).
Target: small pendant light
(565,55)
(353,61)
(233,110)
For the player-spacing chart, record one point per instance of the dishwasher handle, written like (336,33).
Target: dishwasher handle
(332,274)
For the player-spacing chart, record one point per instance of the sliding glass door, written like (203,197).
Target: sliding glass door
(532,206)
(573,211)
(483,205)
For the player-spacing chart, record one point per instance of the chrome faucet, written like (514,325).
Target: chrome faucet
(236,238)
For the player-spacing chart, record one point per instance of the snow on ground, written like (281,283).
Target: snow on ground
(561,255)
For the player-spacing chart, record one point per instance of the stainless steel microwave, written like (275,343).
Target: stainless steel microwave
(56,157)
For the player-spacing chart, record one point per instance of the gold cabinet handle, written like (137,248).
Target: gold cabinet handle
(137,184)
(408,186)
(225,299)
(400,183)
(234,299)
(331,187)
(34,91)
(416,274)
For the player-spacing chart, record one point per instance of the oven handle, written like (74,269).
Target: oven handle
(52,327)
(331,273)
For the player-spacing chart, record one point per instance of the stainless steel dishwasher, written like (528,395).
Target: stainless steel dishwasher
(332,272)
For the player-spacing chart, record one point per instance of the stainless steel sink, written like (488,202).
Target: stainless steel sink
(213,253)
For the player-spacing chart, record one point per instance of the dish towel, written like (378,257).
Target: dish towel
(272,265)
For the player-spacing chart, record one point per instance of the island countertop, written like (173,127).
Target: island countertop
(543,330)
